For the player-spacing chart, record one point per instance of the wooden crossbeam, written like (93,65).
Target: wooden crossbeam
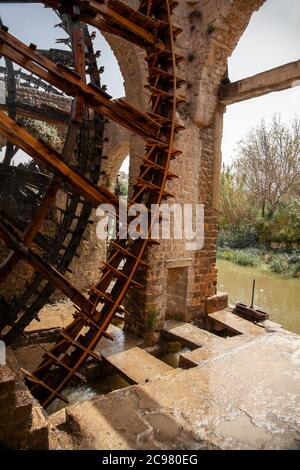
(70,82)
(277,79)
(17,135)
(138,24)
(89,320)
(55,359)
(37,381)
(126,252)
(120,275)
(81,346)
(117,18)
(47,114)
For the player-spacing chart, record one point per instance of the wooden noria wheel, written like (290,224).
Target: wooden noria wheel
(28,194)
(151,28)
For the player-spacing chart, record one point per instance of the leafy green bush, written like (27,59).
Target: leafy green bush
(279,264)
(287,263)
(43,131)
(284,226)
(242,257)
(238,236)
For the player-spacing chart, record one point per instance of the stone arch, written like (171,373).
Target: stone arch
(116,149)
(214,29)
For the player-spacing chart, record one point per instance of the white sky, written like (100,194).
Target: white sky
(271,39)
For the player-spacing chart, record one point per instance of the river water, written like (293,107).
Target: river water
(275,294)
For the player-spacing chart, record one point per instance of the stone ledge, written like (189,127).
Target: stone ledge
(216,302)
(179,263)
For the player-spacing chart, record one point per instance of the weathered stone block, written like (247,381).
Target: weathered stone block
(6,379)
(38,438)
(23,405)
(217,302)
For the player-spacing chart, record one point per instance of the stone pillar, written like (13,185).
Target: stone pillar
(182,284)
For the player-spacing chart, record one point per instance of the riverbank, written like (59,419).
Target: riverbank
(285,263)
(276,294)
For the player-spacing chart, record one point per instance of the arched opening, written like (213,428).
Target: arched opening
(257,242)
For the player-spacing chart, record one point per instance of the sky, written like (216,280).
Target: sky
(271,39)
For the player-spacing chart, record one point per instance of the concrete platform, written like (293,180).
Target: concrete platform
(211,351)
(137,366)
(245,398)
(189,335)
(234,323)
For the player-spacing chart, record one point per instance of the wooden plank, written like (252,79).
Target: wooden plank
(189,335)
(137,366)
(119,19)
(235,323)
(277,79)
(47,114)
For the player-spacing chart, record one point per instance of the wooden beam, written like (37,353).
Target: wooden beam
(277,79)
(17,135)
(71,83)
(46,114)
(117,18)
(12,241)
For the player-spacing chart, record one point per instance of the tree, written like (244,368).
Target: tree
(268,163)
(235,206)
(237,215)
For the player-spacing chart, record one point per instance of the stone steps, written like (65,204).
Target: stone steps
(137,366)
(227,320)
(189,335)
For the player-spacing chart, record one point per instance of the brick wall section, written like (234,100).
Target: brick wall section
(176,293)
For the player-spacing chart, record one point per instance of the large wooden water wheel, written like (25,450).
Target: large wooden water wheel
(76,169)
